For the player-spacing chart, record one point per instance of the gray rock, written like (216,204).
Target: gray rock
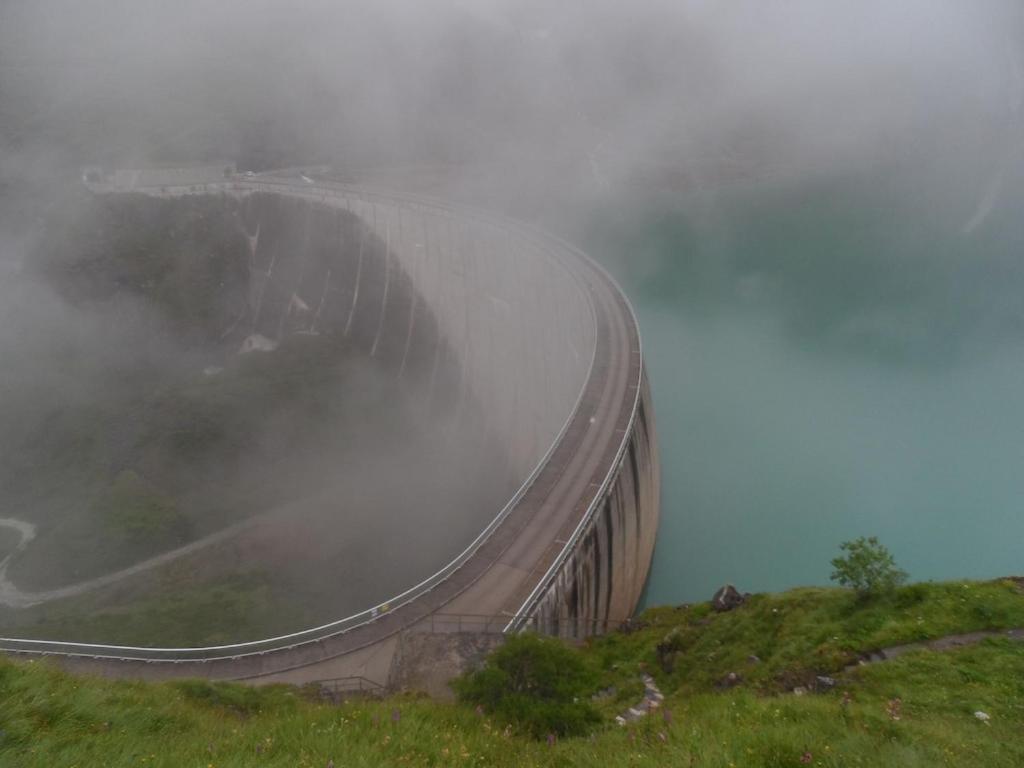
(825,683)
(727,598)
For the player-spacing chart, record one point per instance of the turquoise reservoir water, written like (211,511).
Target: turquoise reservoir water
(829,360)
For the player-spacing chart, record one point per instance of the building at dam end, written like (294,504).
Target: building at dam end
(523,345)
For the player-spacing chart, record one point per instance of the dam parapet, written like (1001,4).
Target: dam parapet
(504,329)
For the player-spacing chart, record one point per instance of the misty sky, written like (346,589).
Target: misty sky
(611,89)
(565,107)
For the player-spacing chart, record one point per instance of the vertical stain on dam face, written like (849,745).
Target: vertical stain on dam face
(611,539)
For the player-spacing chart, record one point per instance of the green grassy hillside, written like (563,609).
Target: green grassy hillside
(916,710)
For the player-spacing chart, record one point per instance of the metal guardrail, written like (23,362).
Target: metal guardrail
(560,626)
(339,687)
(322,190)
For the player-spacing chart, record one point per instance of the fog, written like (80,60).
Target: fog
(814,206)
(658,87)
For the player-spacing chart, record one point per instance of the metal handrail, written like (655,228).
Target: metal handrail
(340,626)
(351,684)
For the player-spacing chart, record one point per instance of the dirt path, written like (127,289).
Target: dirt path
(947,643)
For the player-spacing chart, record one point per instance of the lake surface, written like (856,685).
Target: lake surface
(830,360)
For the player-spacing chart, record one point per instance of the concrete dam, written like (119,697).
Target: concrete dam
(519,341)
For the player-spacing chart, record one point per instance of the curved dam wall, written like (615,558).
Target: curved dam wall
(486,327)
(510,334)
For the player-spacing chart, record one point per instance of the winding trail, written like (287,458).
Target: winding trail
(27,532)
(13,597)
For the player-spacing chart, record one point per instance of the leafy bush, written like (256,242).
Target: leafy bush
(535,683)
(667,650)
(868,567)
(911,595)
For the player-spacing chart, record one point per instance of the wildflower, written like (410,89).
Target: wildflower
(806,758)
(396,716)
(551,739)
(983,716)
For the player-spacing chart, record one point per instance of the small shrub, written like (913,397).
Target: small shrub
(668,649)
(535,683)
(911,595)
(868,567)
(990,615)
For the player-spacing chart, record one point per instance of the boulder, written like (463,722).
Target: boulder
(824,683)
(726,598)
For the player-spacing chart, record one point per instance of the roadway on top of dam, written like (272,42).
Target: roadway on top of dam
(509,562)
